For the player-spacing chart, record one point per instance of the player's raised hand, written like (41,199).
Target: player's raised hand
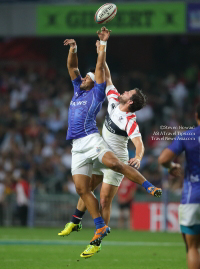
(70,42)
(104,34)
(134,162)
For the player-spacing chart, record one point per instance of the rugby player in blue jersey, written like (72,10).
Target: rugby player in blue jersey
(88,145)
(189,209)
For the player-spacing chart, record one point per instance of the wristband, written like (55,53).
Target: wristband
(103,42)
(73,50)
(103,45)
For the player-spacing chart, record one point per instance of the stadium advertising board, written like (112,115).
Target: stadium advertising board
(151,217)
(151,18)
(193,17)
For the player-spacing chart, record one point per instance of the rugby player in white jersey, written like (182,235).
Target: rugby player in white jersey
(119,126)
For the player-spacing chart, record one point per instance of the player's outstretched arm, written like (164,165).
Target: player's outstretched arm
(108,75)
(139,146)
(72,59)
(166,159)
(107,70)
(100,66)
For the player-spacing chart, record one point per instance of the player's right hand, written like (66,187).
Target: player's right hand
(134,162)
(104,34)
(70,42)
(175,170)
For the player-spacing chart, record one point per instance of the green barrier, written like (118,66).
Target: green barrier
(151,18)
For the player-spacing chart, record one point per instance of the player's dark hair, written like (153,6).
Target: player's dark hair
(198,111)
(92,70)
(139,100)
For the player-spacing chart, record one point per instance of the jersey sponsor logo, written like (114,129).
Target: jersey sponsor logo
(98,149)
(78,103)
(107,124)
(121,118)
(113,128)
(194,179)
(113,105)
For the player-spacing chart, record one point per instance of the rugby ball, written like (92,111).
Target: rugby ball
(105,13)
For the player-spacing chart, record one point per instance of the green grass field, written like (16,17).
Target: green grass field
(23,248)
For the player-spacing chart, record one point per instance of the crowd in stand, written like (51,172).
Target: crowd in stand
(33,118)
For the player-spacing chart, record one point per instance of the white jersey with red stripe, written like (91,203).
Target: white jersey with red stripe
(119,126)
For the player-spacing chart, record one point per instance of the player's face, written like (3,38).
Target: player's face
(87,83)
(125,97)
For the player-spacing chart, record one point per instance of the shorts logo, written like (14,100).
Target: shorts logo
(98,149)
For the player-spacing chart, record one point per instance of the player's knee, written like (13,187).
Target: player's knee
(117,166)
(81,191)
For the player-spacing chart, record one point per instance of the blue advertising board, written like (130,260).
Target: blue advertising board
(193,17)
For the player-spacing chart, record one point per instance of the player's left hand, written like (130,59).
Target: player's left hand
(70,42)
(134,162)
(104,34)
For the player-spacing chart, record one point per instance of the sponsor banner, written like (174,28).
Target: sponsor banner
(193,17)
(148,18)
(151,217)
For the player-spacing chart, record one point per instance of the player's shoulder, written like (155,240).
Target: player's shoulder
(101,86)
(132,127)
(77,81)
(131,117)
(111,90)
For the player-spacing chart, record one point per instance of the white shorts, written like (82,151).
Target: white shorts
(189,214)
(109,176)
(85,151)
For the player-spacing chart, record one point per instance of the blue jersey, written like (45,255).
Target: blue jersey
(190,143)
(83,109)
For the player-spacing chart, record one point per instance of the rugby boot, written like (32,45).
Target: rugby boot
(70,227)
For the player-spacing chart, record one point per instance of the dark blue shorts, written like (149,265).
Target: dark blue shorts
(193,230)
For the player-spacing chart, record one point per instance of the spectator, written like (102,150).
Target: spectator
(2,198)
(22,196)
(67,158)
(126,194)
(69,186)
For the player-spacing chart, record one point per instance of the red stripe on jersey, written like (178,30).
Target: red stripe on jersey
(115,99)
(132,128)
(129,118)
(113,92)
